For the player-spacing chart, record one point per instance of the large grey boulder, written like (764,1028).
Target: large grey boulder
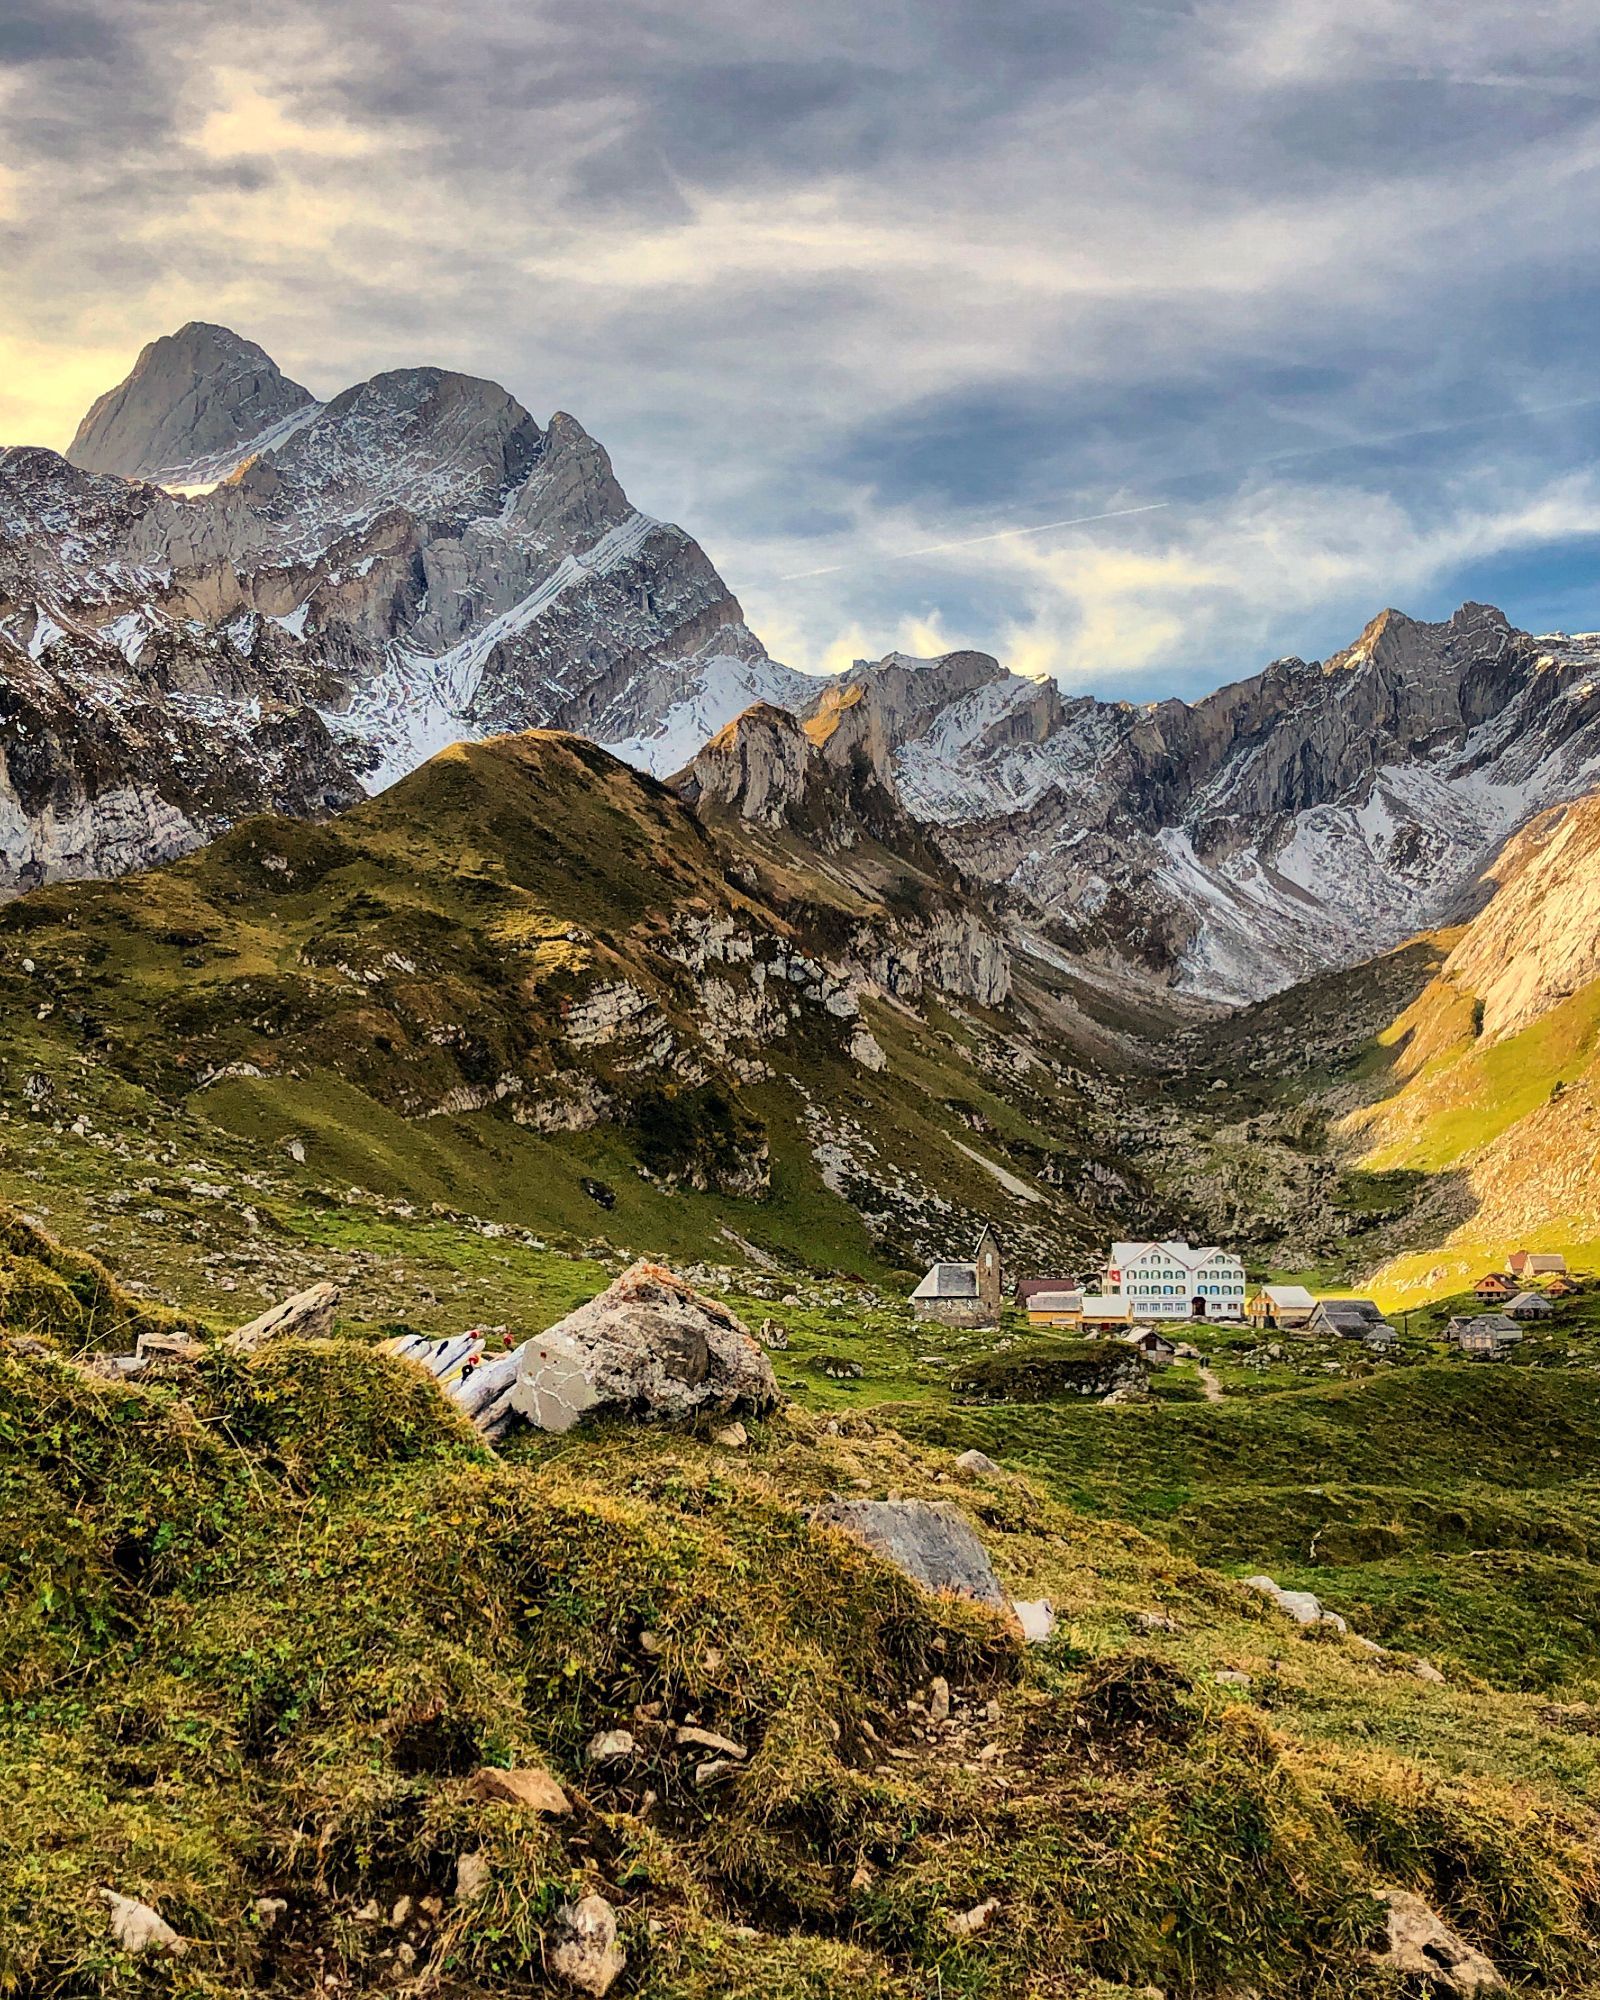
(931,1541)
(649,1345)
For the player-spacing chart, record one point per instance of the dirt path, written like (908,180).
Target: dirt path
(1210,1384)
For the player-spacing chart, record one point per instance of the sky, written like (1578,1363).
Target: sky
(1135,342)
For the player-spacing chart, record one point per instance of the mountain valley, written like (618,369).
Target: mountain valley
(426,900)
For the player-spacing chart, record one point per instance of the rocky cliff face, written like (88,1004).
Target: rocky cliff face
(416,561)
(131,728)
(199,402)
(1297,820)
(420,560)
(913,924)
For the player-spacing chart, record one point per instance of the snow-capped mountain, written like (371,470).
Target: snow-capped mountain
(230,595)
(1308,817)
(415,561)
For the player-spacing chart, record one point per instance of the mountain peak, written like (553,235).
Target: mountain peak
(194,406)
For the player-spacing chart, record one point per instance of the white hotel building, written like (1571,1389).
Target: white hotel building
(1171,1281)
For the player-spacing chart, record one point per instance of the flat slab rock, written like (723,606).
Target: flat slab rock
(649,1345)
(306,1316)
(929,1540)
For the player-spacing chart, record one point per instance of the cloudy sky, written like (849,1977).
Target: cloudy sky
(1135,341)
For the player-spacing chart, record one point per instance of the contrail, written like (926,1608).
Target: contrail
(975,541)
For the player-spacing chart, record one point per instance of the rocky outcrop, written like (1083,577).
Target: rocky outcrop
(756,766)
(649,1346)
(306,1316)
(1419,1946)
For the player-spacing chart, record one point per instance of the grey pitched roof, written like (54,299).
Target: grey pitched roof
(1351,1312)
(1534,1302)
(1495,1324)
(949,1281)
(1055,1302)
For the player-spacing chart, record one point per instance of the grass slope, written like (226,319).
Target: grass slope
(263,1618)
(1450,1509)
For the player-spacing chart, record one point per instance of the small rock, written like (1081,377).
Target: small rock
(1230,1677)
(369,1913)
(732,1437)
(167,1347)
(976,1464)
(1155,1621)
(1425,1670)
(1419,1945)
(400,1915)
(473,1875)
(1037,1619)
(137,1927)
(1368,1645)
(650,1643)
(585,1952)
(688,1738)
(773,1336)
(714,1770)
(968,1923)
(406,1956)
(939,1700)
(269,1909)
(612,1746)
(526,1786)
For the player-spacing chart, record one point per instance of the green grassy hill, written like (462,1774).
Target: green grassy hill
(529,982)
(1453,1509)
(1491,1077)
(265,1618)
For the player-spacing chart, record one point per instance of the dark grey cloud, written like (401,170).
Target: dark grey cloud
(53,34)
